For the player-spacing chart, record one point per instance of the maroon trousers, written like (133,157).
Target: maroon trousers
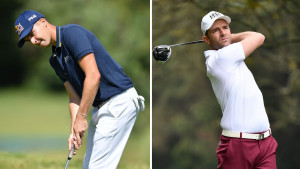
(237,153)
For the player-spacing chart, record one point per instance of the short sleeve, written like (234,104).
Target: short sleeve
(231,55)
(77,42)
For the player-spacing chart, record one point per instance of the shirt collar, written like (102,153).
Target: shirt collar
(58,41)
(58,37)
(209,52)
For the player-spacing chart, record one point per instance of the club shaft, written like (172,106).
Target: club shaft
(71,152)
(70,155)
(186,43)
(67,164)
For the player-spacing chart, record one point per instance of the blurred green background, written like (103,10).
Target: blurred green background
(34,115)
(186,114)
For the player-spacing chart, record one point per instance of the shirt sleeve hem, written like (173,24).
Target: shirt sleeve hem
(83,53)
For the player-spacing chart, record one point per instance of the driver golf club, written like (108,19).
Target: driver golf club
(70,155)
(162,53)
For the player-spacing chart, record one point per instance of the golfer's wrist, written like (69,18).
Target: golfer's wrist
(82,114)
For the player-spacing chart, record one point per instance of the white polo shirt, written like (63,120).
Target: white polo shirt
(240,98)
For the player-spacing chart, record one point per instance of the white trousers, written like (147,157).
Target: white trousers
(109,130)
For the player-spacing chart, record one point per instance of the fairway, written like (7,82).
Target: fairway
(34,128)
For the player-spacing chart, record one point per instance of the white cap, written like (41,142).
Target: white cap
(209,19)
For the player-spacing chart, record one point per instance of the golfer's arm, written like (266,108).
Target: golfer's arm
(249,40)
(74,102)
(91,82)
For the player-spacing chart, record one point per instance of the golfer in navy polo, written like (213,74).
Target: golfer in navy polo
(91,78)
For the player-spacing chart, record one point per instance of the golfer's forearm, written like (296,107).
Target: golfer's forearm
(90,88)
(73,106)
(74,102)
(249,40)
(237,37)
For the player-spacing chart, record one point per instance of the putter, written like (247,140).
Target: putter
(162,53)
(70,155)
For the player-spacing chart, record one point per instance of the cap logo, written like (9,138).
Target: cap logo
(32,17)
(19,28)
(213,15)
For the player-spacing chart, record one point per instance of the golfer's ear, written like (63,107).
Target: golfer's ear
(42,21)
(206,40)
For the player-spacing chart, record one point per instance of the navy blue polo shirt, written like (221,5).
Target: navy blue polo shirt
(72,43)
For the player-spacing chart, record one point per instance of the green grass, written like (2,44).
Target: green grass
(28,114)
(53,160)
(135,156)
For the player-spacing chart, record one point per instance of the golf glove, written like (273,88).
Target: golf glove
(139,103)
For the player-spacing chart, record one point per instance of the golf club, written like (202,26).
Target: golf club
(162,53)
(70,155)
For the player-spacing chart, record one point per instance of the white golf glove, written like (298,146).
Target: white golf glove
(139,103)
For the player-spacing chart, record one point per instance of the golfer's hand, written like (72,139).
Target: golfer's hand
(80,126)
(71,142)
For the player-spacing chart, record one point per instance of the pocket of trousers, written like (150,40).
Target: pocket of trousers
(118,106)
(97,113)
(223,147)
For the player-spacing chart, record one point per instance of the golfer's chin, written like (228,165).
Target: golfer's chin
(220,46)
(43,44)
(225,43)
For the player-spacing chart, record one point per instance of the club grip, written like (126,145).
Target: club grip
(71,152)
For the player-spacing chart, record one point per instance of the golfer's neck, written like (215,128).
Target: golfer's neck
(52,29)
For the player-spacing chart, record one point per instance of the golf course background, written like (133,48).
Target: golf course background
(34,113)
(34,133)
(186,114)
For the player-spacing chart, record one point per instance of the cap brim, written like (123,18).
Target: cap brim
(26,32)
(226,18)
(21,43)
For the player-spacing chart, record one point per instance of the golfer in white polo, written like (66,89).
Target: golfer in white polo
(246,141)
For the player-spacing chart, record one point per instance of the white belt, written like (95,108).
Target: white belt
(246,135)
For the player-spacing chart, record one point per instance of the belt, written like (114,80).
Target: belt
(101,104)
(260,136)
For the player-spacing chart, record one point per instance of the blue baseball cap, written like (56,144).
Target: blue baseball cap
(24,24)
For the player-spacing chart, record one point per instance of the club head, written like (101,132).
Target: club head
(162,53)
